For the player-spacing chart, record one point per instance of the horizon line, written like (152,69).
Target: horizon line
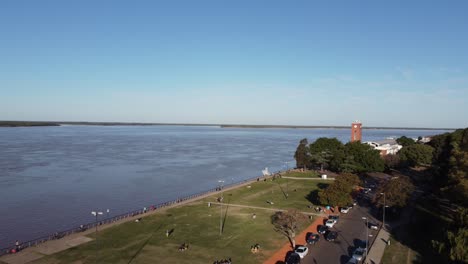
(106,123)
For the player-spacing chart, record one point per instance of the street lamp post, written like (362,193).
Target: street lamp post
(221,209)
(96,213)
(384,206)
(367,233)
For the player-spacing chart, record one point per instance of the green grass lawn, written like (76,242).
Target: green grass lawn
(306,174)
(397,253)
(198,225)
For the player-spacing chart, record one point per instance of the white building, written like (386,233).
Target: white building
(386,147)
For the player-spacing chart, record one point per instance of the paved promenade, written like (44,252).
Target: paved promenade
(53,246)
(377,250)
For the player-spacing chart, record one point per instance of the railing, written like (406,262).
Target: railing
(82,228)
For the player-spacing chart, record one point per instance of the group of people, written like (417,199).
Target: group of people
(184,247)
(255,248)
(223,261)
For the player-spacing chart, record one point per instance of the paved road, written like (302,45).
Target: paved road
(351,230)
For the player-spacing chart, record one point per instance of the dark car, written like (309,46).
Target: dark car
(334,218)
(331,235)
(293,258)
(321,229)
(312,238)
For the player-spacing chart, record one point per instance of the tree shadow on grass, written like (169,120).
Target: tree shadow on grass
(226,212)
(144,244)
(313,195)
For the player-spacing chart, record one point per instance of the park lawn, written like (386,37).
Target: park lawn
(397,253)
(198,225)
(305,174)
(276,191)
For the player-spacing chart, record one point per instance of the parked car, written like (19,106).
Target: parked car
(330,223)
(293,258)
(344,210)
(352,261)
(373,226)
(322,229)
(331,235)
(334,218)
(312,238)
(359,254)
(301,251)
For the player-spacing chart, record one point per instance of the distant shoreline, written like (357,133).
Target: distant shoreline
(50,123)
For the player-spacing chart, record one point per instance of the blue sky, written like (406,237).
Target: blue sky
(387,63)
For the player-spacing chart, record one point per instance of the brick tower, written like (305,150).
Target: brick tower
(356,131)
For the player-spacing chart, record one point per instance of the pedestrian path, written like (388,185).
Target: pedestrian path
(377,250)
(279,256)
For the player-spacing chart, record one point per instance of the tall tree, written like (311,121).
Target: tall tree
(288,223)
(405,141)
(339,192)
(364,158)
(322,150)
(302,154)
(416,154)
(397,192)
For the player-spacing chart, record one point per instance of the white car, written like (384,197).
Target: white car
(301,251)
(344,210)
(359,254)
(330,223)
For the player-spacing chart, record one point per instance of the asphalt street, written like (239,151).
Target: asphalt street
(351,230)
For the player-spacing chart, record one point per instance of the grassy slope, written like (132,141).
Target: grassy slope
(198,224)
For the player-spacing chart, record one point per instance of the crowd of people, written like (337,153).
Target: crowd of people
(223,261)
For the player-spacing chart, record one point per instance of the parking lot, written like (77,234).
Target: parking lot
(351,230)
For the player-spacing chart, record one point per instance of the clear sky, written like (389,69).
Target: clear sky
(387,63)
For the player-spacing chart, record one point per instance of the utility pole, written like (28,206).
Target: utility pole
(384,206)
(96,213)
(367,233)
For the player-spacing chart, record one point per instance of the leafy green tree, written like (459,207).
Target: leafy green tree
(397,192)
(322,150)
(391,161)
(405,141)
(302,154)
(416,154)
(364,158)
(288,224)
(339,192)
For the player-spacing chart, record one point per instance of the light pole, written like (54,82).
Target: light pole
(221,209)
(367,232)
(383,217)
(96,213)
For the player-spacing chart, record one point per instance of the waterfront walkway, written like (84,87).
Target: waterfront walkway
(53,246)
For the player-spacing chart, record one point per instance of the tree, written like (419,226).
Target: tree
(416,154)
(364,158)
(339,192)
(288,223)
(302,154)
(397,192)
(391,161)
(405,141)
(323,149)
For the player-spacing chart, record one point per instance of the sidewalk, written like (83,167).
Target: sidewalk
(53,246)
(377,250)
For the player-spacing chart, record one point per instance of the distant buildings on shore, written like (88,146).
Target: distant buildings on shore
(386,147)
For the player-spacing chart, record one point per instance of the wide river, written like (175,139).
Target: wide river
(51,178)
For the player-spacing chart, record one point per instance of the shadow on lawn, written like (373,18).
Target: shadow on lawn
(313,195)
(226,212)
(144,244)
